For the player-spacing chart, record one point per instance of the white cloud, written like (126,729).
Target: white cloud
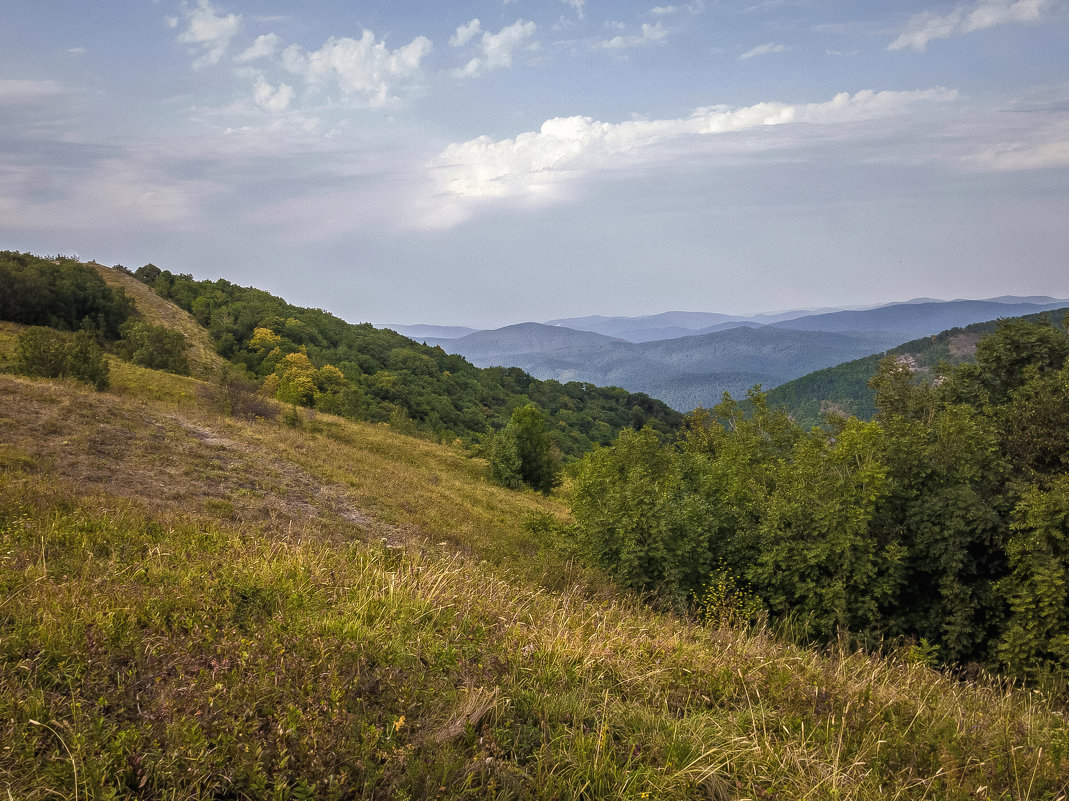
(77,51)
(208,32)
(15,91)
(577,5)
(928,25)
(495,50)
(763,50)
(264,47)
(269,98)
(363,68)
(651,34)
(533,166)
(696,7)
(465,33)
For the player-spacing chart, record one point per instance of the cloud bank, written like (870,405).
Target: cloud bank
(533,166)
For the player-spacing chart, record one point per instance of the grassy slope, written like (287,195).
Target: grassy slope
(203,359)
(196,607)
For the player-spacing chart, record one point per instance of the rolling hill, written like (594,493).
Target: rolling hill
(910,320)
(684,372)
(843,388)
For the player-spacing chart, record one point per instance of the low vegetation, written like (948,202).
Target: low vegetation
(196,606)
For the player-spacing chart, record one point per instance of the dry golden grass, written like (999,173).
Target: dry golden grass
(163,445)
(203,360)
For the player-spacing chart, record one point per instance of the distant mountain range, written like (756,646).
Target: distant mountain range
(715,352)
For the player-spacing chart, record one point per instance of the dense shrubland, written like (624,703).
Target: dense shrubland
(943,521)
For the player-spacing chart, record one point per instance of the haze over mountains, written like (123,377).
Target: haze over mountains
(689,359)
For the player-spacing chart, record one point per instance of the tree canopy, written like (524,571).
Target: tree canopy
(944,520)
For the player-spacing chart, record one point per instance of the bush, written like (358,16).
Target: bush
(45,353)
(61,294)
(154,346)
(525,453)
(236,394)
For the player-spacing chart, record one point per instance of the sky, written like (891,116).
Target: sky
(487,162)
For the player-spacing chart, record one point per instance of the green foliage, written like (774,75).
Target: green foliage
(524,452)
(154,346)
(382,376)
(46,353)
(503,460)
(944,521)
(1036,640)
(637,519)
(59,293)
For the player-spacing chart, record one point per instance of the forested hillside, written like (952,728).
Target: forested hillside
(844,389)
(310,358)
(943,521)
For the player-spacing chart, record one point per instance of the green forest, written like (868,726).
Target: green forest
(310,358)
(942,522)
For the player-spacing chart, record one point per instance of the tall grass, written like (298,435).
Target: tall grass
(199,607)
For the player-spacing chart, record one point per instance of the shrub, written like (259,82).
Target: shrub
(154,346)
(525,453)
(235,393)
(46,353)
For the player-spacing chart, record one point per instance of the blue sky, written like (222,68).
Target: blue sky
(483,163)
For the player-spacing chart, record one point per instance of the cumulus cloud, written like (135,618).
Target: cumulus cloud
(465,33)
(534,165)
(763,50)
(264,47)
(495,50)
(929,25)
(651,34)
(208,32)
(16,91)
(361,68)
(270,98)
